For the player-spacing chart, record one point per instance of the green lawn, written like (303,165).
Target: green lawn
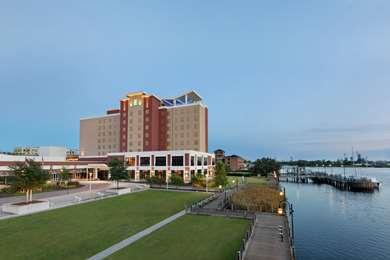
(256,180)
(78,232)
(190,237)
(249,180)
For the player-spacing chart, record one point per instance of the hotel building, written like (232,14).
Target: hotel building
(145,122)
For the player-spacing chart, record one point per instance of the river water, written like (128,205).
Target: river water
(334,224)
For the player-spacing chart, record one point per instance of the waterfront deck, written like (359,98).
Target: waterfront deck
(266,241)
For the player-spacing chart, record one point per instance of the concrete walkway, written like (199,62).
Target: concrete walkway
(59,199)
(124,243)
(95,186)
(266,242)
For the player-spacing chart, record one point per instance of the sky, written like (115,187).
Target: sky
(301,79)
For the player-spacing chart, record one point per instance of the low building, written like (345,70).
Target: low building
(233,162)
(140,165)
(219,155)
(47,151)
(52,151)
(26,151)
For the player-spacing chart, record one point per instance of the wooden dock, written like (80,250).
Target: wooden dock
(351,183)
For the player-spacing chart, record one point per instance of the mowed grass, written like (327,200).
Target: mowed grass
(248,180)
(257,180)
(78,232)
(190,237)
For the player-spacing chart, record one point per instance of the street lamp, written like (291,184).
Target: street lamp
(207,183)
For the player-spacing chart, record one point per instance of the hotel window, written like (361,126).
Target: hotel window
(145,161)
(177,160)
(205,161)
(199,161)
(192,161)
(161,161)
(135,102)
(131,161)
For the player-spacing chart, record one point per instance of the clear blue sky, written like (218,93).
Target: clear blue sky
(308,79)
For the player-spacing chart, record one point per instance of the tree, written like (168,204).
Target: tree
(265,166)
(220,175)
(28,176)
(117,171)
(65,175)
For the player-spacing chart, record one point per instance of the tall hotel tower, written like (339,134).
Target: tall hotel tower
(145,122)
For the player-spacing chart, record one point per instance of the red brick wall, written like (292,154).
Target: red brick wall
(163,130)
(123,125)
(187,159)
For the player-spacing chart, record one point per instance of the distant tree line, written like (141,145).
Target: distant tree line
(336,163)
(265,166)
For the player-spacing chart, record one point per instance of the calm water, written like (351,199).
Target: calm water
(333,224)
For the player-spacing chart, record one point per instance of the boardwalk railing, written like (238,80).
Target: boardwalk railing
(244,243)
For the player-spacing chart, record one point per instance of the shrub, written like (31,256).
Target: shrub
(198,180)
(258,198)
(176,180)
(155,180)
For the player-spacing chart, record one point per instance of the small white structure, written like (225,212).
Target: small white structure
(22,209)
(120,191)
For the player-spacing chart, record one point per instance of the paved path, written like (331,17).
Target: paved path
(265,242)
(95,186)
(58,199)
(124,243)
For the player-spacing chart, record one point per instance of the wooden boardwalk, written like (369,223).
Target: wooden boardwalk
(266,241)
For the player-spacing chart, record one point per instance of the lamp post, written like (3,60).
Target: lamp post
(207,183)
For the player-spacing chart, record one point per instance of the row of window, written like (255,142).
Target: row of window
(106,120)
(175,161)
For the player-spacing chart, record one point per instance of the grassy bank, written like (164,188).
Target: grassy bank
(190,237)
(78,232)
